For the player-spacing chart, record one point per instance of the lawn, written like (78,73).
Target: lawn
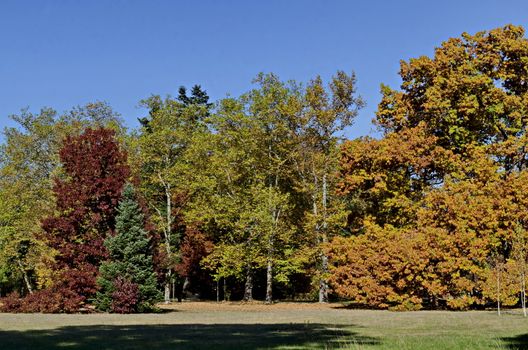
(257,326)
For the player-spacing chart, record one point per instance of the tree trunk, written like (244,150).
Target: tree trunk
(269,281)
(498,293)
(218,290)
(269,267)
(186,284)
(225,289)
(248,288)
(167,286)
(26,277)
(323,283)
(523,293)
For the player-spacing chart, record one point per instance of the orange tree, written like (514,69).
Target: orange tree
(445,181)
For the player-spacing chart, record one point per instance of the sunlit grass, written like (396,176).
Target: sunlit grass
(280,326)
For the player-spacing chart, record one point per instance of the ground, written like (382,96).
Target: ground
(200,325)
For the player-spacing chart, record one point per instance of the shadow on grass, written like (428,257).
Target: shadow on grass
(518,342)
(353,306)
(192,336)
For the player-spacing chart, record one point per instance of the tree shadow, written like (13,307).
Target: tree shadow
(353,306)
(190,336)
(518,342)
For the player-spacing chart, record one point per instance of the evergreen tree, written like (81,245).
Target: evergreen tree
(127,279)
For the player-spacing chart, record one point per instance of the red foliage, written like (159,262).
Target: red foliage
(11,303)
(194,248)
(126,296)
(86,199)
(52,300)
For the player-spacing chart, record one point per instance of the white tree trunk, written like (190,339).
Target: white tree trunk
(323,283)
(269,281)
(25,276)
(523,293)
(498,293)
(167,286)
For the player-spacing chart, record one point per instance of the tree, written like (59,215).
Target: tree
(386,179)
(94,171)
(472,90)
(274,107)
(130,261)
(194,248)
(381,268)
(448,170)
(226,203)
(327,112)
(29,158)
(164,167)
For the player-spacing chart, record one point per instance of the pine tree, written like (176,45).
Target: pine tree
(127,280)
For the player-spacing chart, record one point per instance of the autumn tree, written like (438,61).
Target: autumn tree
(196,245)
(29,160)
(94,170)
(164,167)
(327,112)
(448,169)
(472,90)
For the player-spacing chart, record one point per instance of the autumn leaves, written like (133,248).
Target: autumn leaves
(439,206)
(262,188)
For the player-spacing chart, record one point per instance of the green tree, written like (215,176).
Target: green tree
(164,163)
(326,113)
(274,107)
(130,258)
(226,202)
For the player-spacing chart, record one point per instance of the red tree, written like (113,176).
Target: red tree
(95,170)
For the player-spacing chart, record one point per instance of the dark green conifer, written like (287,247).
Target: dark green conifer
(129,264)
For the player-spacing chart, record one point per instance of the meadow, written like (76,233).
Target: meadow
(205,325)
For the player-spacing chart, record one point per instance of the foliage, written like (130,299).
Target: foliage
(128,275)
(442,184)
(472,90)
(29,158)
(86,196)
(259,192)
(164,163)
(125,297)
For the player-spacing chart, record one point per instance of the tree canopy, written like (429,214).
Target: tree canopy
(261,196)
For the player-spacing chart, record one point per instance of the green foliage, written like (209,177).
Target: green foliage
(130,258)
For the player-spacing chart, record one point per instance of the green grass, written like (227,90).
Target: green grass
(281,326)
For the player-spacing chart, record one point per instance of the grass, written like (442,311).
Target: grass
(257,326)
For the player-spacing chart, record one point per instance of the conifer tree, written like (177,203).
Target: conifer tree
(127,279)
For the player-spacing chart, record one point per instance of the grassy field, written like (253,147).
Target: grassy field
(256,326)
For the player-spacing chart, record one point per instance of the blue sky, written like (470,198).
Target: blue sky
(65,53)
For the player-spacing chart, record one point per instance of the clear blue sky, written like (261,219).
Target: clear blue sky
(65,53)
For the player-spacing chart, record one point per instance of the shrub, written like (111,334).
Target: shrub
(11,303)
(53,300)
(125,297)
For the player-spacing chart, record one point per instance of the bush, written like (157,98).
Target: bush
(125,297)
(45,301)
(66,296)
(11,303)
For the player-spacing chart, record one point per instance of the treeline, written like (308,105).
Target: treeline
(259,196)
